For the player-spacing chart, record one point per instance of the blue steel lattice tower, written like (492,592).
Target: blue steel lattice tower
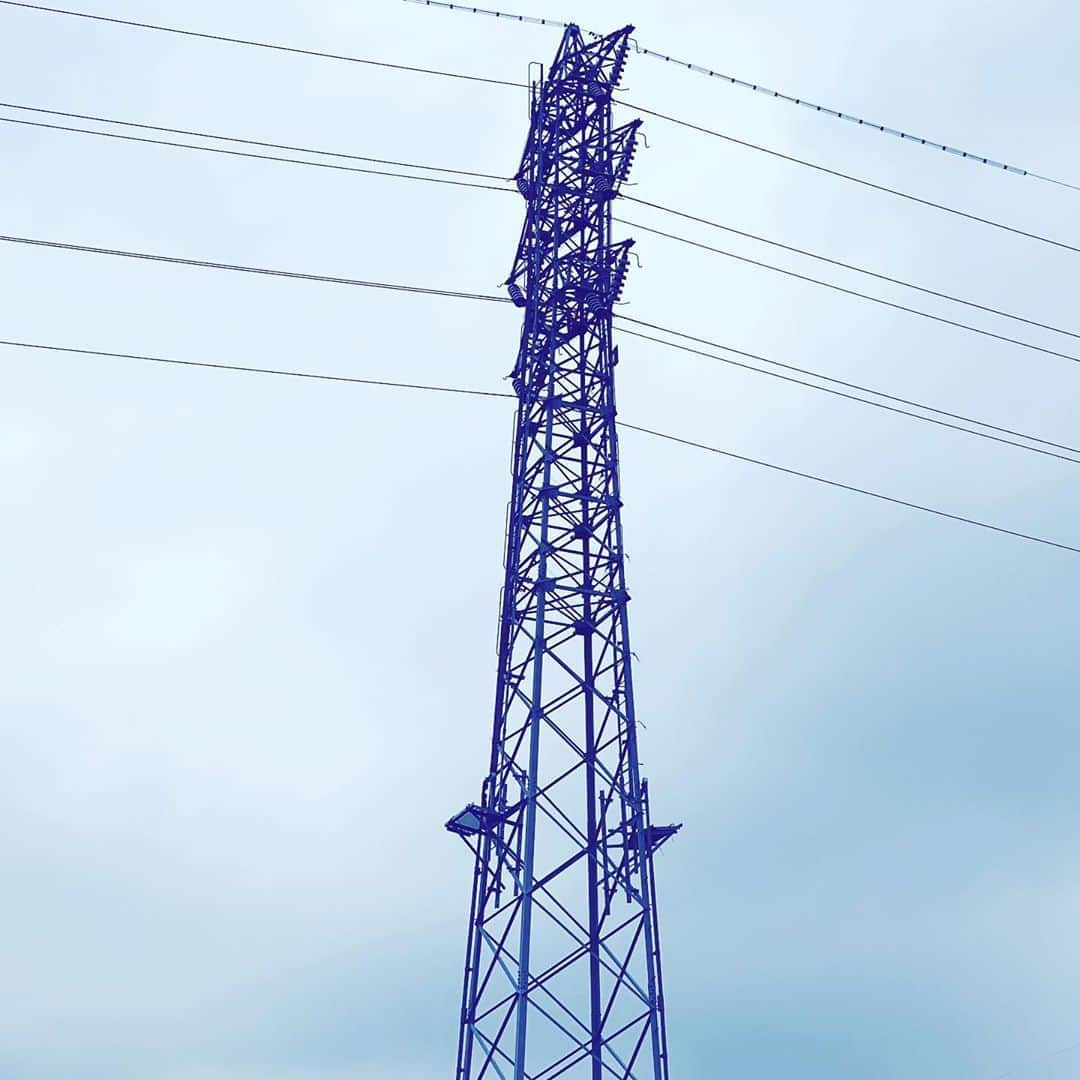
(562,972)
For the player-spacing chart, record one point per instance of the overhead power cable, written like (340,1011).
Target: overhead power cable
(260,157)
(262,270)
(829,261)
(256,44)
(628,426)
(521,86)
(492,298)
(852,179)
(486,187)
(320,377)
(845,487)
(700,69)
(1042,1059)
(854,397)
(248,142)
(850,292)
(849,385)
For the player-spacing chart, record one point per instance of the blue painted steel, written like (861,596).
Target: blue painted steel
(562,972)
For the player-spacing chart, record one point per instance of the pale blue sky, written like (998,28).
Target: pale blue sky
(249,622)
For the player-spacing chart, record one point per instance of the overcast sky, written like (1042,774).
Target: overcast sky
(248,622)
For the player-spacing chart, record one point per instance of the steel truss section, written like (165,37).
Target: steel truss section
(562,973)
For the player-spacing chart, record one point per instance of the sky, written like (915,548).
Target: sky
(249,621)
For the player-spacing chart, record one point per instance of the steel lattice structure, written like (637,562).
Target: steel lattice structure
(562,973)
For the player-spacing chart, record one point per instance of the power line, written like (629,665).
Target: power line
(850,385)
(246,142)
(850,178)
(628,426)
(849,292)
(517,85)
(776,94)
(1014,1074)
(259,370)
(848,487)
(869,124)
(487,187)
(533,20)
(264,271)
(257,44)
(250,154)
(855,398)
(831,262)
(492,298)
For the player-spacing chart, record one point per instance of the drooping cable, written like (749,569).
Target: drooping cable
(260,157)
(679,440)
(825,110)
(520,86)
(846,487)
(849,385)
(492,298)
(852,292)
(320,377)
(828,261)
(852,179)
(1041,1059)
(442,180)
(248,142)
(261,270)
(854,397)
(256,44)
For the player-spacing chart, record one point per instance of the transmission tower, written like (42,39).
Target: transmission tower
(562,971)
